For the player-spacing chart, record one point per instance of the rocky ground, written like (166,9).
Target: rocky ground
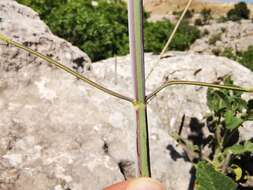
(161,8)
(60,134)
(237,36)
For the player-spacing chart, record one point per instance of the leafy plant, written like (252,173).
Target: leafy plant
(141,100)
(216,51)
(240,11)
(220,166)
(207,178)
(228,52)
(206,15)
(155,34)
(205,32)
(85,23)
(189,13)
(246,58)
(43,7)
(222,19)
(214,38)
(198,22)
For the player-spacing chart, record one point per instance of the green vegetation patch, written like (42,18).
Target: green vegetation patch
(100,28)
(156,34)
(245,57)
(240,11)
(207,178)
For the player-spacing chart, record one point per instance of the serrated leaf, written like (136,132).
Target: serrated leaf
(207,178)
(231,121)
(240,149)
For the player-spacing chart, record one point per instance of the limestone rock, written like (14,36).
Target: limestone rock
(23,25)
(237,36)
(175,101)
(59,133)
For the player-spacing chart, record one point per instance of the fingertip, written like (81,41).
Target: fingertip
(118,186)
(145,184)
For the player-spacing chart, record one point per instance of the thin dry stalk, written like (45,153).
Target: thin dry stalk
(170,38)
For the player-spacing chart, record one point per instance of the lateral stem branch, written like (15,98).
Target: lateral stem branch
(67,69)
(196,83)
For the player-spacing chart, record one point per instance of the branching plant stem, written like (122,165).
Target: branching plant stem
(140,101)
(135,20)
(67,69)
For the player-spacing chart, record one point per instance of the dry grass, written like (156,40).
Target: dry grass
(162,7)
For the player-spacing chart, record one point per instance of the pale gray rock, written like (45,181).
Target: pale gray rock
(58,133)
(177,100)
(23,25)
(237,36)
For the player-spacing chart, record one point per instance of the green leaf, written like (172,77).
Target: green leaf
(237,104)
(240,149)
(231,121)
(207,178)
(237,170)
(185,142)
(217,100)
(228,80)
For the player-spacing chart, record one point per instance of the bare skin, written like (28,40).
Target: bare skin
(137,184)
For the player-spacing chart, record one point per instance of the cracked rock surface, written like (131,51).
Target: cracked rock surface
(58,133)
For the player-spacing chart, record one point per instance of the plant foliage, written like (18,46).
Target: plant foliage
(206,15)
(207,178)
(100,28)
(240,11)
(229,53)
(227,151)
(214,38)
(188,15)
(156,33)
(229,110)
(245,57)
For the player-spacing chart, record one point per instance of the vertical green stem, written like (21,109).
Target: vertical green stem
(135,14)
